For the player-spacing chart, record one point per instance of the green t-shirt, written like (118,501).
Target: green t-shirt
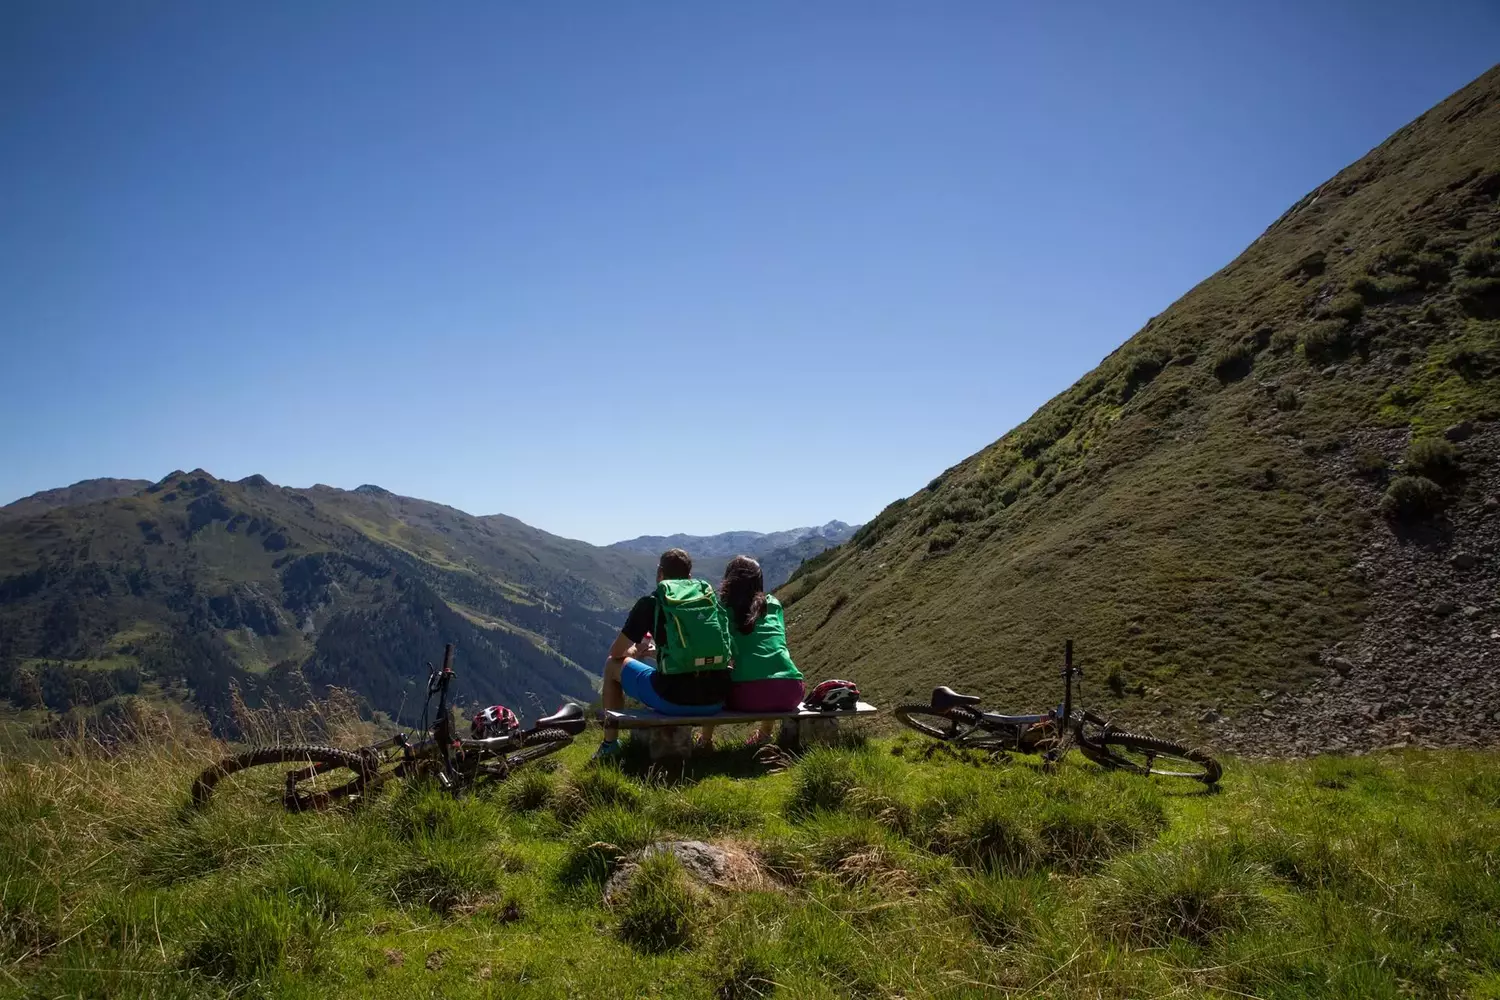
(762,655)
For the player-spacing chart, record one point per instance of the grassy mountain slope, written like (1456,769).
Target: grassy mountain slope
(779,552)
(1171,510)
(195,584)
(85,491)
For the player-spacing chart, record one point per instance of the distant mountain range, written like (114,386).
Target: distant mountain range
(191,587)
(779,552)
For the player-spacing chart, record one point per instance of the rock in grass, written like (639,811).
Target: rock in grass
(705,863)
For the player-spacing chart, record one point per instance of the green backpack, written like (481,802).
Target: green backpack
(697,629)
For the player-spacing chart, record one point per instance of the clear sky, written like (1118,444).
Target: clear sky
(629,268)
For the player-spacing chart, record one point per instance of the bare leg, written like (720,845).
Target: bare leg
(706,737)
(612,695)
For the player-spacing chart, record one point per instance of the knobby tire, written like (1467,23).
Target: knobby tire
(928,721)
(1149,755)
(320,757)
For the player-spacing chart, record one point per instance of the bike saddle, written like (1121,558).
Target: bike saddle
(569,718)
(944,697)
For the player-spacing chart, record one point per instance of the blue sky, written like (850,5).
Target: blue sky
(619,269)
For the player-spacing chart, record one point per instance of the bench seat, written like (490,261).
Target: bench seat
(645,718)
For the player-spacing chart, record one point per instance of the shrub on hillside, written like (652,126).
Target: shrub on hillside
(1369,462)
(1325,341)
(1434,458)
(1379,289)
(1481,262)
(1234,362)
(1283,340)
(943,538)
(1347,306)
(1140,368)
(1286,399)
(1411,497)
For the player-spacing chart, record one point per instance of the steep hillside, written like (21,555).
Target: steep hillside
(779,552)
(86,491)
(1229,496)
(195,584)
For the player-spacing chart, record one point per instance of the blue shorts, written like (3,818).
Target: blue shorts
(635,678)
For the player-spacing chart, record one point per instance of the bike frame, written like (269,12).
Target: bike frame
(1010,728)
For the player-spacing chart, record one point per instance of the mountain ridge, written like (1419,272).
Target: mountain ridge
(779,552)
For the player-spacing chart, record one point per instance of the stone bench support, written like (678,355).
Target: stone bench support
(672,735)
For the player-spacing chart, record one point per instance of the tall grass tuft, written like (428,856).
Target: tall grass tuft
(1197,891)
(660,912)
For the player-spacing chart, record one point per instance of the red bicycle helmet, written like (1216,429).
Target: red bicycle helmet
(833,696)
(497,720)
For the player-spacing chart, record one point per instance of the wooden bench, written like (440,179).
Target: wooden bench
(672,735)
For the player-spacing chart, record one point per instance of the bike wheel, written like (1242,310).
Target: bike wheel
(952,725)
(1148,755)
(537,745)
(324,776)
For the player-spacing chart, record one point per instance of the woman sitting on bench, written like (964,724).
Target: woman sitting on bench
(763,677)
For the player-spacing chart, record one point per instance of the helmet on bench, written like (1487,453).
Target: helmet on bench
(833,696)
(497,720)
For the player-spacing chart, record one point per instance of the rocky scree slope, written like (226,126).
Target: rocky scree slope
(1220,509)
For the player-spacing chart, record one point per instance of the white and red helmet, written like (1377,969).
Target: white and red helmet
(833,696)
(497,720)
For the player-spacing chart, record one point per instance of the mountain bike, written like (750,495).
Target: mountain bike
(956,719)
(330,775)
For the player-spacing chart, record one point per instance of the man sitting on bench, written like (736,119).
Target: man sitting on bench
(685,628)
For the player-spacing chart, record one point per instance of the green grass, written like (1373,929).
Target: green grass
(881,875)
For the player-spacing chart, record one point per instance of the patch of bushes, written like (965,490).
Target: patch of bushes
(1369,462)
(1234,363)
(1325,341)
(1433,458)
(1347,306)
(1286,399)
(1410,498)
(1283,341)
(1479,297)
(660,912)
(1373,290)
(943,537)
(1481,262)
(1140,368)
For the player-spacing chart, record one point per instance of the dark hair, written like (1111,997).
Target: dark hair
(743,592)
(675,565)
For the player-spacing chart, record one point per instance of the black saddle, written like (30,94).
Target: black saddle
(570,719)
(944,698)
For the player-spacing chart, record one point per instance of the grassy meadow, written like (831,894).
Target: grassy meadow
(879,870)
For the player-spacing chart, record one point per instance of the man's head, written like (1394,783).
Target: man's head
(675,565)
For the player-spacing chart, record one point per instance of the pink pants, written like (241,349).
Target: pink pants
(779,695)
